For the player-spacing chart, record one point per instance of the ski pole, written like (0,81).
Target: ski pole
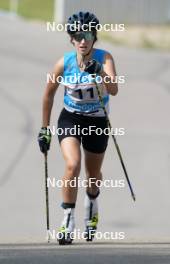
(115,142)
(46,196)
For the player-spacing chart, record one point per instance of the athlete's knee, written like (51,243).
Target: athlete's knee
(73,168)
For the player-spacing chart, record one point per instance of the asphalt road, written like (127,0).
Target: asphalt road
(27,53)
(85,254)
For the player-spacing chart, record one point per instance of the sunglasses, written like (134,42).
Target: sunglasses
(78,36)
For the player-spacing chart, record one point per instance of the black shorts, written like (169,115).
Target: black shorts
(77,125)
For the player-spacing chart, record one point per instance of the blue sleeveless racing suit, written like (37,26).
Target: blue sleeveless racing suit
(80,89)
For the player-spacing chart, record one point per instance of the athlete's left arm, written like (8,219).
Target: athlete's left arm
(109,74)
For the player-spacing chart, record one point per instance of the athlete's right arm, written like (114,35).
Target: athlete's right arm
(49,93)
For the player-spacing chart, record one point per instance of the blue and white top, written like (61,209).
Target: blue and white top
(80,89)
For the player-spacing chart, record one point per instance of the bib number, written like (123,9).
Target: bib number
(89,90)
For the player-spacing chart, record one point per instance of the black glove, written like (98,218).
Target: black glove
(44,139)
(93,67)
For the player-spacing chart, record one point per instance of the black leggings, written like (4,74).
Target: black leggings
(77,125)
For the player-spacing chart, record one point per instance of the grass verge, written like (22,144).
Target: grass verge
(32,9)
(150,37)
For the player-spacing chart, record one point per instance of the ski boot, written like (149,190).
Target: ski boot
(91,227)
(66,231)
